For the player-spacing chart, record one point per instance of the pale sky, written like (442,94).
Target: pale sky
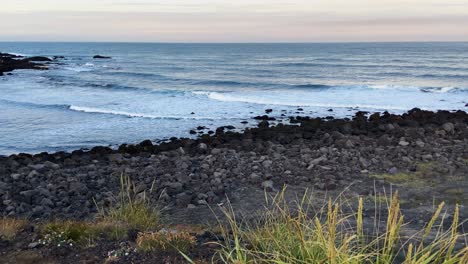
(234,20)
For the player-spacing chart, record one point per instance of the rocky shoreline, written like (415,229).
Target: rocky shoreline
(322,154)
(422,154)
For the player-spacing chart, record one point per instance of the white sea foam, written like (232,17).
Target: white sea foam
(18,54)
(229,97)
(393,87)
(444,89)
(81,68)
(133,115)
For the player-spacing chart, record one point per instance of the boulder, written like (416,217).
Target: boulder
(449,128)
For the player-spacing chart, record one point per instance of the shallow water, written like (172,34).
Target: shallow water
(148,91)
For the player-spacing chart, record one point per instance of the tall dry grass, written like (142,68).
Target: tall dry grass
(296,235)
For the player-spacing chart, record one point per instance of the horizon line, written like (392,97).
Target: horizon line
(240,42)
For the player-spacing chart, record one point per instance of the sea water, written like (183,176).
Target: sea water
(156,91)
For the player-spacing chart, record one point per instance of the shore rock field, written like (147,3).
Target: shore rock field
(422,154)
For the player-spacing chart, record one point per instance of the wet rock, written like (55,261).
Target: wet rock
(265,118)
(146,143)
(263,124)
(38,58)
(101,57)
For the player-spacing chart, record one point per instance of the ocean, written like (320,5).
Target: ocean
(158,91)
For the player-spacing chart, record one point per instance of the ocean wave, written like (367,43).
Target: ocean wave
(229,97)
(323,87)
(389,66)
(76,82)
(222,83)
(448,89)
(313,86)
(139,74)
(229,83)
(94,110)
(80,68)
(35,105)
(103,111)
(451,76)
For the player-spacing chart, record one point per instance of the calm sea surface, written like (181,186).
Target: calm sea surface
(148,91)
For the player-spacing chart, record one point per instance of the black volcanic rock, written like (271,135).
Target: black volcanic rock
(11,62)
(7,55)
(38,58)
(101,57)
(264,117)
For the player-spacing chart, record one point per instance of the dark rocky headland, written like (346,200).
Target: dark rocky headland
(11,62)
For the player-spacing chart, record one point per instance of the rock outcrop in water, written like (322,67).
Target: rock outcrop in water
(101,57)
(11,62)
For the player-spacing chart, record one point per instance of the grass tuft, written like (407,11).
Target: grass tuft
(133,210)
(10,227)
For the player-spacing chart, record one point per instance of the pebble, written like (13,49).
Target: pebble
(404,143)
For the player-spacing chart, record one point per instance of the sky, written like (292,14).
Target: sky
(234,20)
